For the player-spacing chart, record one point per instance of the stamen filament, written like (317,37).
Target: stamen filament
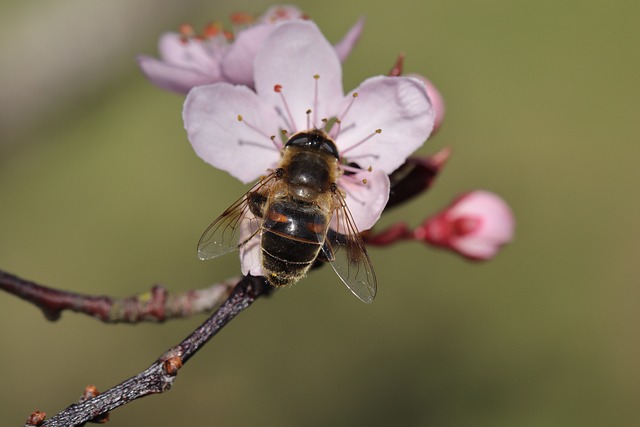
(341,117)
(377,131)
(258,131)
(276,144)
(352,169)
(363,156)
(351,179)
(292,124)
(326,123)
(284,136)
(335,130)
(316,77)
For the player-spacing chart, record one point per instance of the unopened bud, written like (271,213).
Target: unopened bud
(475,225)
(415,176)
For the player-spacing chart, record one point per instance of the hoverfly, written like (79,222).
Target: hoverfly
(300,216)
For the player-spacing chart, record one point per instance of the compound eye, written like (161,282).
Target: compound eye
(330,148)
(299,140)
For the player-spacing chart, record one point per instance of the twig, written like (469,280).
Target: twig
(159,377)
(156,305)
(389,236)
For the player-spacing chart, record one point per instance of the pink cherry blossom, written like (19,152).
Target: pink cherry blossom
(476,225)
(298,86)
(188,60)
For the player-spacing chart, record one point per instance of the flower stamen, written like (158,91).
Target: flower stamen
(258,131)
(276,144)
(278,89)
(326,123)
(353,169)
(186,32)
(316,77)
(211,30)
(337,124)
(341,117)
(368,137)
(351,179)
(241,18)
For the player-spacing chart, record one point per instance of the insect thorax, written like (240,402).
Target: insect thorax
(308,173)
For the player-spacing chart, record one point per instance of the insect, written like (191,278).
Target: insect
(300,216)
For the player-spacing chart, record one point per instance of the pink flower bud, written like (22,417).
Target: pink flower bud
(437,101)
(476,225)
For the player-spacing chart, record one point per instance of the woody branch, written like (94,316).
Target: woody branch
(155,305)
(158,377)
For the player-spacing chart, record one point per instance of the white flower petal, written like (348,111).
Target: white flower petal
(436,98)
(242,148)
(251,252)
(172,77)
(365,201)
(399,107)
(237,63)
(291,56)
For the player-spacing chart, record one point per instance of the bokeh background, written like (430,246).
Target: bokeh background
(100,192)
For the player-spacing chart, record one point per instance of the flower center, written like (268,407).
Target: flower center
(331,127)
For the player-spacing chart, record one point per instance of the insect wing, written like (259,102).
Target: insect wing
(236,226)
(347,254)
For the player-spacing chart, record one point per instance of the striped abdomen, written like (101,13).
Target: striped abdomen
(293,233)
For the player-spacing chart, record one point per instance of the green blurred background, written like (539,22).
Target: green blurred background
(101,193)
